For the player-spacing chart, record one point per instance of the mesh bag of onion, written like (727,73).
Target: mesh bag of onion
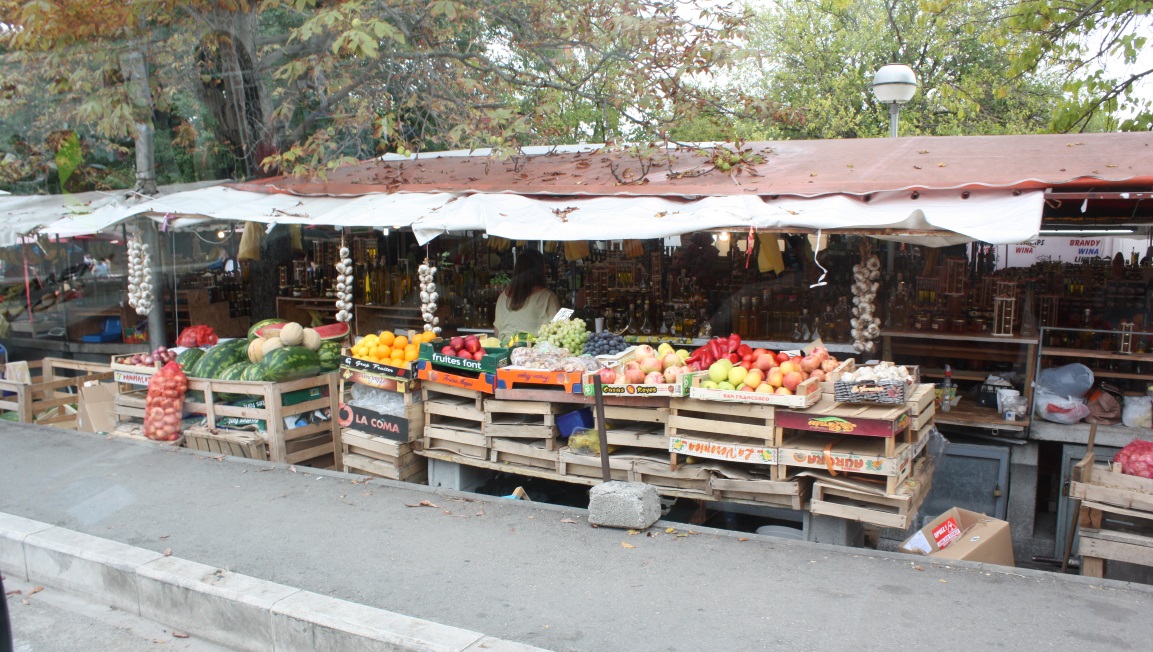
(164,406)
(1136,458)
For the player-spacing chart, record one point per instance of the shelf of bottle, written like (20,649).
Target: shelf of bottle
(1015,355)
(957,374)
(1100,355)
(963,337)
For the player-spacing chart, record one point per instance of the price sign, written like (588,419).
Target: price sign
(562,314)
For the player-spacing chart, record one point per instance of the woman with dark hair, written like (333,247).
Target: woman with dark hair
(526,303)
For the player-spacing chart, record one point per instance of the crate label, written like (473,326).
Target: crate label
(375,380)
(470,365)
(722,451)
(840,461)
(373,423)
(831,424)
(132,378)
(368,366)
(946,533)
(634,390)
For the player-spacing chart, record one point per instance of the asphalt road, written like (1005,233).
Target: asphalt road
(540,575)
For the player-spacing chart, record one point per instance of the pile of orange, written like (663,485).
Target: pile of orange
(389,348)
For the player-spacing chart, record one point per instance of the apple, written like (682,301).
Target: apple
(754,378)
(457,342)
(671,374)
(472,343)
(828,364)
(608,375)
(744,388)
(782,357)
(728,363)
(818,374)
(776,377)
(683,353)
(737,375)
(664,349)
(796,359)
(765,388)
(758,352)
(671,359)
(810,363)
(725,385)
(708,384)
(748,357)
(792,379)
(788,366)
(783,391)
(479,355)
(718,372)
(764,362)
(651,365)
(654,378)
(449,350)
(644,351)
(634,376)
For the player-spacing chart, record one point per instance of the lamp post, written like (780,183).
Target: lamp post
(894,84)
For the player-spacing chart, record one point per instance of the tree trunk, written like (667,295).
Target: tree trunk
(135,73)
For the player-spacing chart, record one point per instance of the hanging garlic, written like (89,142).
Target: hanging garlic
(344,286)
(139,277)
(428,296)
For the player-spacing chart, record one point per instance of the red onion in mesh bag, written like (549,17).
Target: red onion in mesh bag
(1136,458)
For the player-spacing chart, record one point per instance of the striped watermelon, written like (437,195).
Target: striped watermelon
(329,354)
(290,363)
(219,358)
(253,374)
(188,358)
(233,372)
(252,330)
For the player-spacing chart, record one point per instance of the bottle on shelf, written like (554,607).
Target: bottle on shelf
(947,390)
(646,325)
(796,335)
(806,332)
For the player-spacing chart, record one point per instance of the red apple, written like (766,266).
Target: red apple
(749,357)
(782,357)
(747,365)
(765,361)
(608,375)
(791,380)
(759,352)
(456,342)
(448,350)
(818,374)
(478,355)
(671,360)
(472,344)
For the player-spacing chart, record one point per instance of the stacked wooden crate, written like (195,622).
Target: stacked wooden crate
(1116,517)
(376,444)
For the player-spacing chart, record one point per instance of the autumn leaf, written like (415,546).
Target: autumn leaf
(627,545)
(423,503)
(670,530)
(167,552)
(179,635)
(743,539)
(633,532)
(567,520)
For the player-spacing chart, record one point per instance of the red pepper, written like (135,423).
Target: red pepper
(744,350)
(734,341)
(734,357)
(715,348)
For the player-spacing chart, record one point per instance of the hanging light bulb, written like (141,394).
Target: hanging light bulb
(220,235)
(724,236)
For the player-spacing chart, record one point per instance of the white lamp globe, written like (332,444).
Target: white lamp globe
(894,83)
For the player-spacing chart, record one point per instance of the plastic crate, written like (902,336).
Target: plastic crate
(568,423)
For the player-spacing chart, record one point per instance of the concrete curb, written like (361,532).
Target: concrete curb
(227,608)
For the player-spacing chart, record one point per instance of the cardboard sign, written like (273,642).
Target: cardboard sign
(373,423)
(368,366)
(562,314)
(132,378)
(722,450)
(946,533)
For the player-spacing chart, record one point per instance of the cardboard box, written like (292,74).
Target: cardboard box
(961,534)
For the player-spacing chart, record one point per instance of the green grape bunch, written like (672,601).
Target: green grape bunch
(570,334)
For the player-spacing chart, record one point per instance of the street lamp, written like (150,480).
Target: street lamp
(894,84)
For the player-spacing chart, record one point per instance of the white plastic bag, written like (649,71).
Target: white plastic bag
(1059,409)
(1137,412)
(1074,380)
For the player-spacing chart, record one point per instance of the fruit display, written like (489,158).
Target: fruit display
(273,327)
(865,327)
(568,333)
(428,297)
(389,348)
(161,355)
(218,358)
(290,363)
(139,277)
(470,346)
(164,404)
(761,370)
(344,281)
(649,366)
(199,335)
(189,357)
(605,343)
(545,356)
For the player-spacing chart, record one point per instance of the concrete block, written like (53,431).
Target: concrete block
(632,505)
(221,606)
(833,530)
(490,644)
(308,621)
(13,531)
(459,477)
(102,570)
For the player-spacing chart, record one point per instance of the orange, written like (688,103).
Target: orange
(410,352)
(386,338)
(429,336)
(397,355)
(358,350)
(380,352)
(399,342)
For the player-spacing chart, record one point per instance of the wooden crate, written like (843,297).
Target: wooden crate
(526,453)
(53,395)
(693,425)
(808,393)
(380,457)
(635,434)
(686,477)
(133,430)
(865,456)
(589,466)
(129,404)
(234,443)
(308,444)
(1116,518)
(523,420)
(454,420)
(856,501)
(745,488)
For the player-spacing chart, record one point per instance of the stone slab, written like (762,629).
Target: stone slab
(490,644)
(97,568)
(308,621)
(631,505)
(221,606)
(13,531)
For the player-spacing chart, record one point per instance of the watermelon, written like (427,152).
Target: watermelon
(290,363)
(233,372)
(219,358)
(261,324)
(329,354)
(337,331)
(253,374)
(189,357)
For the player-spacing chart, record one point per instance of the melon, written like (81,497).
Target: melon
(337,331)
(270,345)
(311,339)
(256,350)
(292,334)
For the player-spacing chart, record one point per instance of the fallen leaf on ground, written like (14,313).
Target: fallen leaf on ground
(594,525)
(168,552)
(292,468)
(179,635)
(480,513)
(943,581)
(36,590)
(633,532)
(25,601)
(567,520)
(164,536)
(670,530)
(423,503)
(920,568)
(743,539)
(627,545)
(14,592)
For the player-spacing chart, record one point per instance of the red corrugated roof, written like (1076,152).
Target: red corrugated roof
(800,168)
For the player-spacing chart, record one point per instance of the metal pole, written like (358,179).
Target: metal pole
(894,110)
(606,474)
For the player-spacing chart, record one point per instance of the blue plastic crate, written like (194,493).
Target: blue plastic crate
(570,422)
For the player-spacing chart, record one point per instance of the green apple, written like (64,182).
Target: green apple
(708,384)
(718,372)
(664,349)
(725,385)
(683,353)
(737,375)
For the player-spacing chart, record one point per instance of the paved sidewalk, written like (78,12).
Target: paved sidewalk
(527,573)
